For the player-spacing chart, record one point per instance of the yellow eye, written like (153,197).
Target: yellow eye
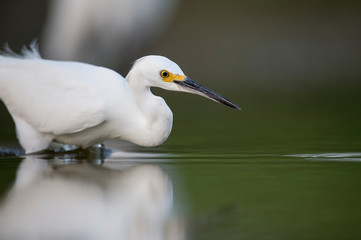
(164,74)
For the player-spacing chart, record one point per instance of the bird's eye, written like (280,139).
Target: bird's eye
(164,74)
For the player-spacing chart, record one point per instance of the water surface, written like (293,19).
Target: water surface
(279,170)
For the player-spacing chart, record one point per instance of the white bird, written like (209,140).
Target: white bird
(81,104)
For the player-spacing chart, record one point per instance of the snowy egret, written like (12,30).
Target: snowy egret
(81,104)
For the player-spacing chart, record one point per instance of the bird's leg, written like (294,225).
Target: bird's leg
(59,147)
(99,151)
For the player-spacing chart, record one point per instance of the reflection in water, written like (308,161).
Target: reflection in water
(339,157)
(88,201)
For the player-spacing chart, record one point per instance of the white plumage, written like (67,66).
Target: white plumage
(81,104)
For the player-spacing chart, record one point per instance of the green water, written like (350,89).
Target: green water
(285,167)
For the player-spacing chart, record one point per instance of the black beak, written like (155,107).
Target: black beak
(199,89)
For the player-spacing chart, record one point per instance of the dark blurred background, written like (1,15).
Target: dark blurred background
(293,66)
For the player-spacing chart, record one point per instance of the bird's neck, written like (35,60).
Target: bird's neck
(158,116)
(144,99)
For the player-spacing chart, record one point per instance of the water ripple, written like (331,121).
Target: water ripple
(342,157)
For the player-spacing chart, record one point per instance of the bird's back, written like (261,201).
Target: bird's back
(56,98)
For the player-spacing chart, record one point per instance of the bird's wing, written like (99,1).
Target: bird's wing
(56,97)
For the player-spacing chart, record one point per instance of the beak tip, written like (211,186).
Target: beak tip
(237,107)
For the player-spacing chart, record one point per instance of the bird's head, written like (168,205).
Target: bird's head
(159,71)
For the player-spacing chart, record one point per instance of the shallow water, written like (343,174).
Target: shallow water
(278,170)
